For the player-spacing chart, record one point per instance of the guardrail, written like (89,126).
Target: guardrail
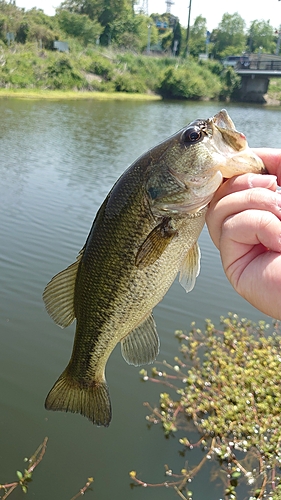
(269,65)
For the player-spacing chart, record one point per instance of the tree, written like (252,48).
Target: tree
(132,32)
(176,41)
(80,26)
(261,34)
(108,13)
(35,25)
(229,38)
(197,36)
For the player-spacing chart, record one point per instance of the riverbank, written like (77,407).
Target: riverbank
(98,70)
(74,95)
(272,98)
(27,72)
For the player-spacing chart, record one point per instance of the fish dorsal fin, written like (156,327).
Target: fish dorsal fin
(190,268)
(155,243)
(59,294)
(141,346)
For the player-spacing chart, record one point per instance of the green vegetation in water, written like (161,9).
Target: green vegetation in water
(228,402)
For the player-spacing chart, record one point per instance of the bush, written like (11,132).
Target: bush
(124,82)
(230,83)
(190,82)
(101,66)
(62,75)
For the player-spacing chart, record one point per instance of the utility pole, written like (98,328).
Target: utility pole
(188,28)
(169,4)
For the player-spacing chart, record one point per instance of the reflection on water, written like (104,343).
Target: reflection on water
(57,162)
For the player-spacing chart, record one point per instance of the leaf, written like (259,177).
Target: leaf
(19,474)
(236,474)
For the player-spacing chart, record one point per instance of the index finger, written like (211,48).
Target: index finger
(271,157)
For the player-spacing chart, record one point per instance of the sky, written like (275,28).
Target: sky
(212,10)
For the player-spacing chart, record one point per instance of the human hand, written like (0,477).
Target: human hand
(244,223)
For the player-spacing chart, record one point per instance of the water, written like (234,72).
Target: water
(57,162)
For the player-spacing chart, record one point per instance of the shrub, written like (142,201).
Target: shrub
(188,83)
(62,75)
(101,66)
(124,82)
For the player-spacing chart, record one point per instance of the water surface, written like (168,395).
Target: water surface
(58,160)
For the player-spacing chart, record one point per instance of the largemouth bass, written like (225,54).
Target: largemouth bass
(144,234)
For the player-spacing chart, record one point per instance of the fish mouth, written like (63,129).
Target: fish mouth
(223,120)
(230,148)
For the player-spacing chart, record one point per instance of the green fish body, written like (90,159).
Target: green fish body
(144,234)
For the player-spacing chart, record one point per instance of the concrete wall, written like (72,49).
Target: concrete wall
(253,88)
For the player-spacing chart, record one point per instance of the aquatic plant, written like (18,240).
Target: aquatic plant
(227,401)
(24,478)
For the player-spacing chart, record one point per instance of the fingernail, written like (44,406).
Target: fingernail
(265,181)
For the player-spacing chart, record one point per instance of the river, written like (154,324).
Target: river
(58,160)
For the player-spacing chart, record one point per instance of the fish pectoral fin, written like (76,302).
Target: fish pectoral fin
(58,295)
(141,346)
(155,243)
(190,268)
(91,399)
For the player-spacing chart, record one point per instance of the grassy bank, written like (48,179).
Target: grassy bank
(274,92)
(73,95)
(103,71)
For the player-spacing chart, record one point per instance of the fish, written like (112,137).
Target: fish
(144,234)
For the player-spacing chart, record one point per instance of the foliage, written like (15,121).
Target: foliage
(274,90)
(230,83)
(176,41)
(132,32)
(147,69)
(114,22)
(128,83)
(197,36)
(106,12)
(61,73)
(101,66)
(79,26)
(227,385)
(189,81)
(229,37)
(261,37)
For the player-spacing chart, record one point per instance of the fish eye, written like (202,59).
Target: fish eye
(192,135)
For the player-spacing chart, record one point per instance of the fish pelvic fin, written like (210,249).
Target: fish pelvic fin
(190,268)
(90,399)
(141,346)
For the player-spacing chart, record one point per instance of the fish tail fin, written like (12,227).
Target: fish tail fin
(91,399)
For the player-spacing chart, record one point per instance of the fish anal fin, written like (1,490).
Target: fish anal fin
(141,346)
(190,268)
(155,243)
(58,295)
(90,399)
